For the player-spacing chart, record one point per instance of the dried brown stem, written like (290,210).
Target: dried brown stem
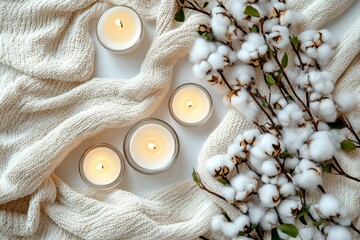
(294,92)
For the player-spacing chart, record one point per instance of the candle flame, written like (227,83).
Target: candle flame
(119,23)
(100,166)
(189,104)
(151,146)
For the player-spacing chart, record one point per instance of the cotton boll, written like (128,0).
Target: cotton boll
(307,61)
(321,147)
(228,193)
(201,70)
(252,48)
(325,53)
(217,222)
(279,36)
(269,67)
(236,150)
(250,135)
(256,213)
(305,234)
(241,75)
(290,17)
(269,24)
(291,163)
(243,103)
(217,61)
(314,212)
(307,175)
(289,208)
(201,50)
(237,10)
(329,206)
(346,221)
(292,114)
(198,72)
(325,109)
(244,184)
(269,220)
(307,35)
(337,233)
(322,82)
(219,165)
(267,145)
(242,223)
(229,229)
(329,38)
(219,22)
(270,167)
(287,189)
(269,195)
(345,102)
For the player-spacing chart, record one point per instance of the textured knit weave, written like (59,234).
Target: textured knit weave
(49,103)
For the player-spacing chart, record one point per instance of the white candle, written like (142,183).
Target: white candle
(151,146)
(190,104)
(102,166)
(120,30)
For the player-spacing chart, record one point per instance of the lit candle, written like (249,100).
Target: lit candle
(151,146)
(102,166)
(120,30)
(190,104)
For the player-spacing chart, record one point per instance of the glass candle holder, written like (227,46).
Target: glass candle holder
(191,104)
(120,30)
(102,166)
(151,146)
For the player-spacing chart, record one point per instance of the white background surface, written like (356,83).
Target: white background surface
(191,138)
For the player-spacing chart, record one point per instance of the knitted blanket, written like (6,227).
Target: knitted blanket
(49,103)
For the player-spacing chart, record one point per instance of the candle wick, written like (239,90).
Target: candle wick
(119,23)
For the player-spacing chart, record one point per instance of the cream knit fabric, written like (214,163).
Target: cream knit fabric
(49,103)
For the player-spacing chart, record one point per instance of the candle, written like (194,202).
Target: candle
(151,146)
(102,166)
(120,30)
(190,104)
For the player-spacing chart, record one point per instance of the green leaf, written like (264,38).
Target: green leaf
(208,36)
(269,80)
(289,98)
(295,42)
(220,4)
(205,4)
(271,52)
(265,105)
(317,224)
(347,145)
(254,28)
(286,154)
(275,234)
(327,168)
(180,16)
(302,219)
(304,211)
(195,177)
(338,124)
(289,229)
(284,61)
(226,216)
(253,226)
(241,233)
(222,181)
(251,11)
